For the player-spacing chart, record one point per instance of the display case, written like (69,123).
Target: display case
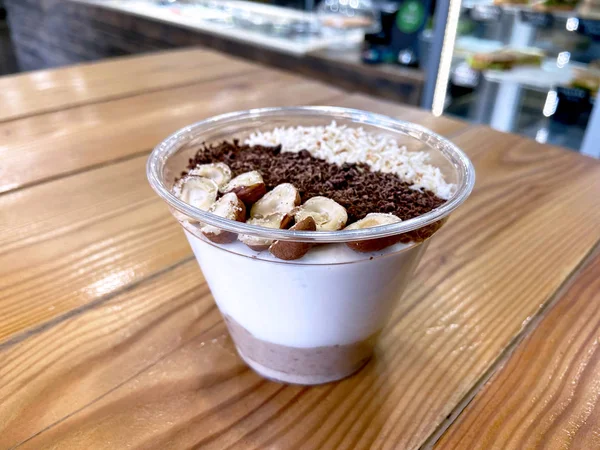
(531,69)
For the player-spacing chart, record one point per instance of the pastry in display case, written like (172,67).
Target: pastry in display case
(553,5)
(505,59)
(510,2)
(587,79)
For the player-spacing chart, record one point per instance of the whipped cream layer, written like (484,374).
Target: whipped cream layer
(331,296)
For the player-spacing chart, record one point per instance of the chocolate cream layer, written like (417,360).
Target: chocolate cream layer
(328,362)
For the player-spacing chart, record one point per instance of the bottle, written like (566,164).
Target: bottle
(410,20)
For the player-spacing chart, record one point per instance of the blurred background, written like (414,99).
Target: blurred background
(530,67)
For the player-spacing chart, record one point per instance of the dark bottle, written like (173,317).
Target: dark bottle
(410,19)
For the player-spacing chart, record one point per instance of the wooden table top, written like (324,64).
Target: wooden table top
(109,337)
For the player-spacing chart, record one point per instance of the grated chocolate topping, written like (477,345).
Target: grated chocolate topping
(354,186)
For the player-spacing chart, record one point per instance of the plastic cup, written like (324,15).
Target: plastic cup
(315,319)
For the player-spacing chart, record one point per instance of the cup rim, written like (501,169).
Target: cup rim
(171,144)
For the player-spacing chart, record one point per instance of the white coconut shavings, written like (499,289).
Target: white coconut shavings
(340,144)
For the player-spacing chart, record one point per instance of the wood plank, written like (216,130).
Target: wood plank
(54,89)
(470,297)
(55,144)
(75,240)
(546,396)
(106,345)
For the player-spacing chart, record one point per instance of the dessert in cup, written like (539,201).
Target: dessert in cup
(308,223)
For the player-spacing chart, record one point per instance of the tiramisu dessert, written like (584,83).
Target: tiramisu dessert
(299,312)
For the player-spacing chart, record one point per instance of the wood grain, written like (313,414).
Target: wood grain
(75,240)
(49,145)
(100,349)
(54,89)
(547,395)
(502,255)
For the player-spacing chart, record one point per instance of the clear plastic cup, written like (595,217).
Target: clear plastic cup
(315,319)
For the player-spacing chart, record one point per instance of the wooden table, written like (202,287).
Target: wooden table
(109,337)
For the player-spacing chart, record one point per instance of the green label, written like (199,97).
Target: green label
(410,16)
